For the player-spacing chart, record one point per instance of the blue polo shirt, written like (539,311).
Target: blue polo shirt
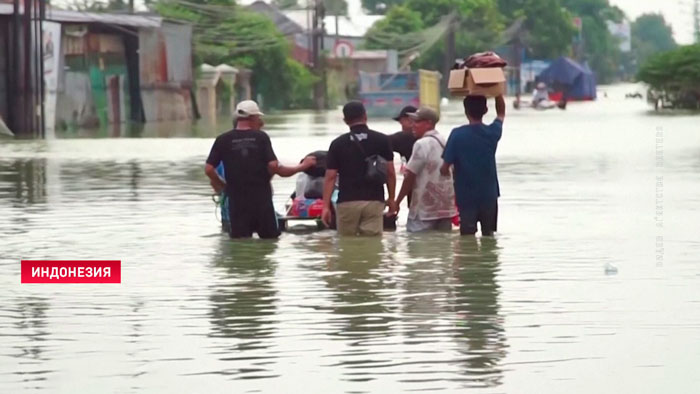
(472,151)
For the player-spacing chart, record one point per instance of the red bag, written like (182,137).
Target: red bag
(485,60)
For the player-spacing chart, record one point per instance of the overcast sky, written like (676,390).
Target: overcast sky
(677,12)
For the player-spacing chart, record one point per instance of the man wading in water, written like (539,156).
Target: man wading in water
(472,150)
(360,200)
(249,164)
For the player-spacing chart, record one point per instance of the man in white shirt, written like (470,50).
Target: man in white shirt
(432,194)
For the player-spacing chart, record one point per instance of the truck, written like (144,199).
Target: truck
(384,94)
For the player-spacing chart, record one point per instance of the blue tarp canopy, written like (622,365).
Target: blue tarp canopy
(577,79)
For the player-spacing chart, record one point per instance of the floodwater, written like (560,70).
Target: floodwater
(538,309)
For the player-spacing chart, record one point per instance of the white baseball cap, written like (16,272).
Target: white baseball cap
(248,108)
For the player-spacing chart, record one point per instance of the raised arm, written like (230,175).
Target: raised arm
(391,180)
(500,108)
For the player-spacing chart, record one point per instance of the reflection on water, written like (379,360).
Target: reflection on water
(24,180)
(26,342)
(243,300)
(358,276)
(432,312)
(480,333)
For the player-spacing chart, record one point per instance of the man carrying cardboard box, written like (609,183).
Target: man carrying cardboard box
(481,74)
(472,150)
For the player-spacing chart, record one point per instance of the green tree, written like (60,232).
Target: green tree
(675,73)
(419,25)
(678,67)
(225,33)
(398,30)
(651,34)
(478,27)
(599,47)
(548,28)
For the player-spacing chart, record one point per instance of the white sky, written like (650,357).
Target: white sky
(679,13)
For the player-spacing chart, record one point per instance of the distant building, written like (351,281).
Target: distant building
(106,68)
(623,33)
(297,26)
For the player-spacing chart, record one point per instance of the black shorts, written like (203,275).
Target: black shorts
(253,215)
(485,213)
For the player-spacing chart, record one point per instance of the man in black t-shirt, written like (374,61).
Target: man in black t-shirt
(360,201)
(402,141)
(249,164)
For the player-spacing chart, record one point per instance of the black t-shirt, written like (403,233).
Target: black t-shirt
(245,154)
(402,143)
(345,156)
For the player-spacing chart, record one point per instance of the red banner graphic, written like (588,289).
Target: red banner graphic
(71,271)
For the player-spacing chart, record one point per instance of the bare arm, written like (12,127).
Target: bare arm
(500,108)
(391,180)
(409,180)
(445,169)
(328,186)
(274,167)
(214,179)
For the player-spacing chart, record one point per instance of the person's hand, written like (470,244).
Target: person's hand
(308,162)
(393,208)
(445,170)
(397,208)
(326,216)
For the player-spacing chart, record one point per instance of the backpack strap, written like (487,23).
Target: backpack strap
(438,140)
(356,140)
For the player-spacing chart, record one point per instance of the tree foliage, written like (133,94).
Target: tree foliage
(675,73)
(547,28)
(397,30)
(651,34)
(676,68)
(225,33)
(478,24)
(600,48)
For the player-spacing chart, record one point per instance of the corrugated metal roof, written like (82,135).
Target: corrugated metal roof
(65,16)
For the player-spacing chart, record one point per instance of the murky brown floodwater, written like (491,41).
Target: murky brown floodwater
(532,311)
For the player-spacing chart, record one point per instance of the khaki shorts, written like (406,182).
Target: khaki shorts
(360,218)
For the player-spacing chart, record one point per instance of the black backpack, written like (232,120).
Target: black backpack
(375,165)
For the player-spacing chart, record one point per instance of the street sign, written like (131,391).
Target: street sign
(343,48)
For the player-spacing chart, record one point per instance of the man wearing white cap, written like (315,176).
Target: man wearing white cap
(249,164)
(433,198)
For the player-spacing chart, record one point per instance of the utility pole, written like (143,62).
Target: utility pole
(26,79)
(318,55)
(449,53)
(16,107)
(518,57)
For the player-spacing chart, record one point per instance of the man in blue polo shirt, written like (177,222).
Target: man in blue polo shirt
(472,150)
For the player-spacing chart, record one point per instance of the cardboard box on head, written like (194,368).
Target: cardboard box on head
(489,82)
